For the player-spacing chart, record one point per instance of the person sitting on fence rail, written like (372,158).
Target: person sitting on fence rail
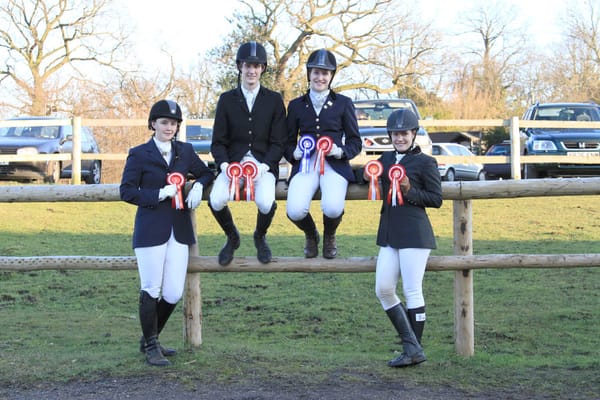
(322,138)
(410,183)
(249,126)
(153,179)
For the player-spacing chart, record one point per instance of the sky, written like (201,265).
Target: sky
(188,28)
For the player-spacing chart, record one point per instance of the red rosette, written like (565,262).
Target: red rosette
(396,174)
(177,179)
(249,171)
(373,170)
(324,146)
(234,173)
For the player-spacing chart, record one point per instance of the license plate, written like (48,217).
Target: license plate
(583,153)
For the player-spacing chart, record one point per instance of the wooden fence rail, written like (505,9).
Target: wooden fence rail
(463,262)
(513,124)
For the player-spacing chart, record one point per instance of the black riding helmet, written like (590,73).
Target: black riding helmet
(403,120)
(251,52)
(165,109)
(323,59)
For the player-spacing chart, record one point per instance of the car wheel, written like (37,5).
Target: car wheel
(450,175)
(95,175)
(52,172)
(530,172)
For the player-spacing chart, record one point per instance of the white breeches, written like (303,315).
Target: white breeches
(264,190)
(393,264)
(163,268)
(303,187)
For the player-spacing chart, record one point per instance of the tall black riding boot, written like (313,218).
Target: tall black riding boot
(149,321)
(329,243)
(163,312)
(417,319)
(225,220)
(413,352)
(263,221)
(311,235)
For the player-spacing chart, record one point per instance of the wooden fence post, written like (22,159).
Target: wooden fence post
(464,326)
(192,303)
(515,148)
(76,152)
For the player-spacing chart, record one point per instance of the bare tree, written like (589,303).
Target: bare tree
(43,42)
(378,49)
(195,90)
(575,65)
(482,83)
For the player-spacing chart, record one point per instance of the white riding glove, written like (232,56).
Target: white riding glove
(224,166)
(336,151)
(262,169)
(167,191)
(298,153)
(194,197)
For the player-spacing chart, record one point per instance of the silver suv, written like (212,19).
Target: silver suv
(375,140)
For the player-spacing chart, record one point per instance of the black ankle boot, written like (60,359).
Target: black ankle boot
(311,235)
(225,220)
(153,354)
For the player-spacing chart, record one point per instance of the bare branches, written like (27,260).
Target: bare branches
(47,36)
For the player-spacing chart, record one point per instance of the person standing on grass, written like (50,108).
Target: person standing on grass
(249,125)
(153,179)
(322,139)
(405,235)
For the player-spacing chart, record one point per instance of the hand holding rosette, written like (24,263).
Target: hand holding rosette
(324,146)
(396,174)
(177,179)
(306,144)
(234,173)
(373,170)
(249,171)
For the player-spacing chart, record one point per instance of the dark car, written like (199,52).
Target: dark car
(574,142)
(498,171)
(376,140)
(201,138)
(48,139)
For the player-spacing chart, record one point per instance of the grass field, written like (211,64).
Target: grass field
(536,331)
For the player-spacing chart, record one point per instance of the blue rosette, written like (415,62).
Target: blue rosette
(307,145)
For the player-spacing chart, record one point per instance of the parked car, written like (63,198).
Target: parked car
(47,139)
(457,171)
(498,171)
(375,139)
(200,137)
(562,141)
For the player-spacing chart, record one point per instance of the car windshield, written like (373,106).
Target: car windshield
(501,150)
(198,132)
(378,109)
(40,132)
(558,113)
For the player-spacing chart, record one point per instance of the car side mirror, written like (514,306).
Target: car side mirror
(67,138)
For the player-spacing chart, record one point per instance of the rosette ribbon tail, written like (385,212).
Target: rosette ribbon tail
(178,180)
